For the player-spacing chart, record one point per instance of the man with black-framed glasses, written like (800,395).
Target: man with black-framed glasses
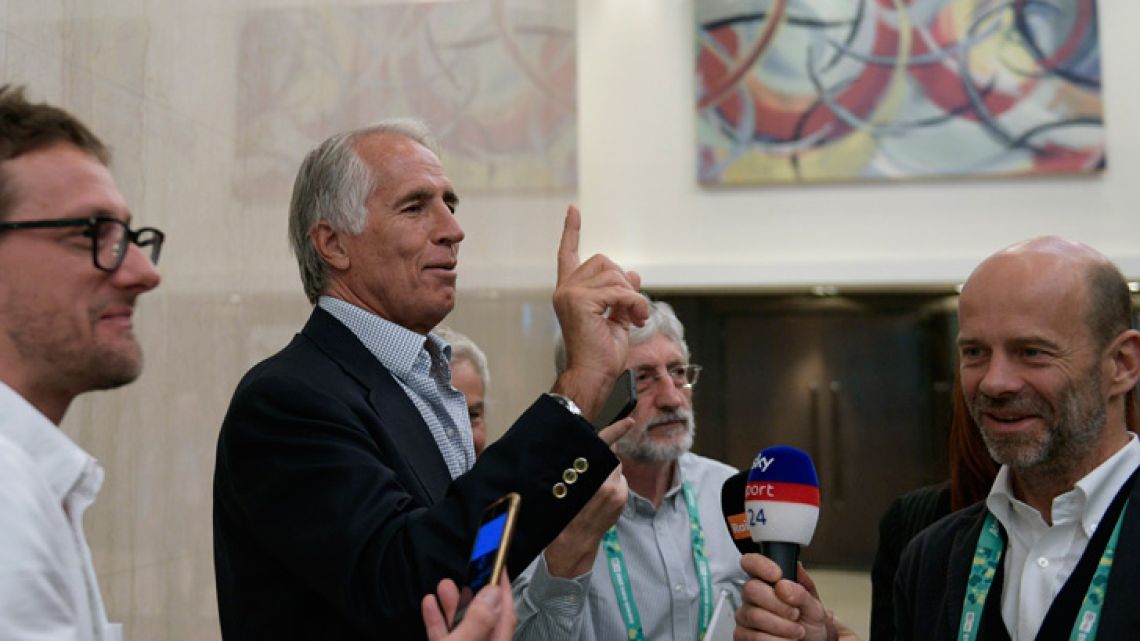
(71,270)
(109,237)
(650,562)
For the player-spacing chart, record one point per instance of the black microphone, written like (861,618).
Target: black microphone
(781,504)
(732,507)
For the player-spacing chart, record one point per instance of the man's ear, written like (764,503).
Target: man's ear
(1124,356)
(327,242)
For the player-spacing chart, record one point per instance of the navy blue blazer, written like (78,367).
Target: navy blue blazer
(334,512)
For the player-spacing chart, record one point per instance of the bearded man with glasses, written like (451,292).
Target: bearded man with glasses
(650,562)
(71,270)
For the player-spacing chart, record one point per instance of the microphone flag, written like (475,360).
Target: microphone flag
(781,499)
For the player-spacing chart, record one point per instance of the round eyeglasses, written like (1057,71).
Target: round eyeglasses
(110,237)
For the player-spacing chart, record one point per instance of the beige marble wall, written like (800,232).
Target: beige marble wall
(159,81)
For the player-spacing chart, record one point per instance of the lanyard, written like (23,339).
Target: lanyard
(620,576)
(988,554)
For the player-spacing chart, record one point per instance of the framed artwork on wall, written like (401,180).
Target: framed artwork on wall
(494,79)
(836,90)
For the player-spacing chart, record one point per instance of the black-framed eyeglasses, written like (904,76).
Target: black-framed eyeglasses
(683,376)
(110,237)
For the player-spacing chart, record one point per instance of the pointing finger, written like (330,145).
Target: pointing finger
(568,259)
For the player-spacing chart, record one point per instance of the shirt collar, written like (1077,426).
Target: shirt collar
(1094,492)
(58,458)
(1000,499)
(1101,485)
(395,346)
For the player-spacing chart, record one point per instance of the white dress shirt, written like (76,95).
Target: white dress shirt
(48,588)
(1039,558)
(657,547)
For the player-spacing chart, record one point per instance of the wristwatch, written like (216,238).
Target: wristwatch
(567,402)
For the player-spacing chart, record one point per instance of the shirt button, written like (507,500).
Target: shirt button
(1043,562)
(677,588)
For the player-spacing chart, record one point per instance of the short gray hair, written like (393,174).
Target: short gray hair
(333,185)
(465,349)
(662,320)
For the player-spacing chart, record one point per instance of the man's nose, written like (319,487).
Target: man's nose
(668,394)
(137,272)
(1001,377)
(448,229)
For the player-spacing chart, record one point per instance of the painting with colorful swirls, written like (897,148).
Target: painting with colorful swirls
(827,90)
(495,80)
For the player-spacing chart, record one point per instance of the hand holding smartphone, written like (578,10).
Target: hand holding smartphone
(489,553)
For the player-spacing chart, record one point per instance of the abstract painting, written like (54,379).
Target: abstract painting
(824,90)
(495,80)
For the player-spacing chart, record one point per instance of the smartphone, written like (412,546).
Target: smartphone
(489,554)
(621,401)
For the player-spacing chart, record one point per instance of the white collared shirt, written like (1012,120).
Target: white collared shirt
(48,588)
(1039,558)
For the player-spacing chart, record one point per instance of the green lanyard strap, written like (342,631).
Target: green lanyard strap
(988,553)
(620,575)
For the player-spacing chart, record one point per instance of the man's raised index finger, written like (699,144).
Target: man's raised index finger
(568,259)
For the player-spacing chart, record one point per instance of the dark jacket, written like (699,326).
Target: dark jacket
(334,512)
(907,515)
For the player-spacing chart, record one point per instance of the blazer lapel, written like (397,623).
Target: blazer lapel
(394,410)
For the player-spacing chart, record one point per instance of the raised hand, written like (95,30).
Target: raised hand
(596,302)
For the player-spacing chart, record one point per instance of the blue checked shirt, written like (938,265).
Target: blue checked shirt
(422,368)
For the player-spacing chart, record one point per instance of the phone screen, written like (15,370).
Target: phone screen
(489,553)
(487,544)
